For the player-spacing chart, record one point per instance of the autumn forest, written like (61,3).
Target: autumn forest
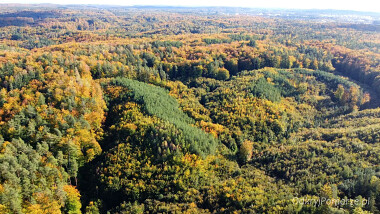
(183,110)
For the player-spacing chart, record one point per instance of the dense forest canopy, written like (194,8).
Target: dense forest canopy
(188,110)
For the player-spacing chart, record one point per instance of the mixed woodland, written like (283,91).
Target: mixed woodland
(153,110)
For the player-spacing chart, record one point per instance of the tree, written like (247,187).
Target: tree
(339,93)
(354,98)
(246,151)
(252,43)
(72,202)
(223,74)
(365,99)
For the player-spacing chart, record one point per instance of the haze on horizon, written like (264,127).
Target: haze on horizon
(363,5)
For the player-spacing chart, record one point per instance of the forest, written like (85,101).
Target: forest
(186,110)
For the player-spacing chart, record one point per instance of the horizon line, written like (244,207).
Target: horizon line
(192,6)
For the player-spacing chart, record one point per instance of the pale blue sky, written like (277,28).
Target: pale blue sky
(359,5)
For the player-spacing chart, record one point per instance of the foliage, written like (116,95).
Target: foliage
(156,101)
(262,89)
(187,110)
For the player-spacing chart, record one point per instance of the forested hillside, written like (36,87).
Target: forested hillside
(179,110)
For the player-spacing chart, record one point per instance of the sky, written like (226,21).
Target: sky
(358,5)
